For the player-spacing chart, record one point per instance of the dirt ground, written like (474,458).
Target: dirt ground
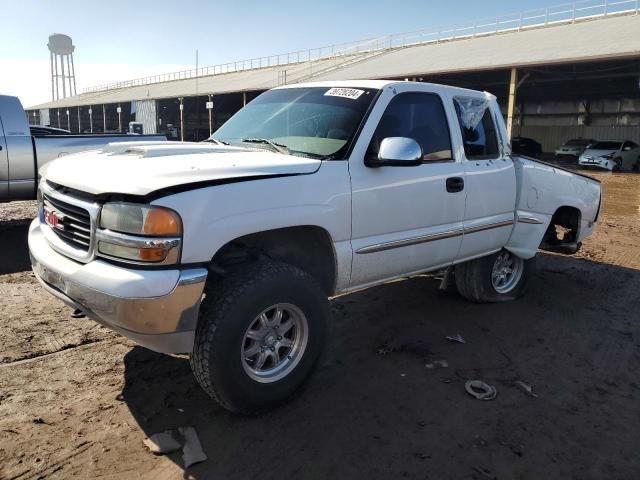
(76,401)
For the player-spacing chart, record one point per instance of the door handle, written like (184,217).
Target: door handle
(455,184)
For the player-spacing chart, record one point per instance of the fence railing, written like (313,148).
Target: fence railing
(554,15)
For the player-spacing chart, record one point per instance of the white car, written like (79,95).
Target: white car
(611,155)
(310,191)
(574,147)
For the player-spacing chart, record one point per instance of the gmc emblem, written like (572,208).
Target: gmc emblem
(53,219)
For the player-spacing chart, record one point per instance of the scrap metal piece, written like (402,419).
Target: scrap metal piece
(526,388)
(192,452)
(437,364)
(480,390)
(457,338)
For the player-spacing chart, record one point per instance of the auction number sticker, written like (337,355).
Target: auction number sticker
(352,93)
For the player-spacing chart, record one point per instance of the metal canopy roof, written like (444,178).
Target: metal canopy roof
(607,38)
(598,39)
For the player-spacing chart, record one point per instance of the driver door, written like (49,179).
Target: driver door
(406,219)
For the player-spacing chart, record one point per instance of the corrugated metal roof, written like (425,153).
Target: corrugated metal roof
(604,38)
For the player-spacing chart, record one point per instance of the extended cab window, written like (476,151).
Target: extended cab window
(480,139)
(416,115)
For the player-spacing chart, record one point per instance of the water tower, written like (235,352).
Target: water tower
(61,49)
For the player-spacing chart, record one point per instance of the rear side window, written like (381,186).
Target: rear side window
(480,141)
(417,115)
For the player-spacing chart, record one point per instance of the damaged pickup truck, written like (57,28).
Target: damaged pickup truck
(228,250)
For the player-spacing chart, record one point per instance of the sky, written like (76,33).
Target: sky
(120,40)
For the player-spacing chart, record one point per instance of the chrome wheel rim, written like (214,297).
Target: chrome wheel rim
(507,272)
(274,343)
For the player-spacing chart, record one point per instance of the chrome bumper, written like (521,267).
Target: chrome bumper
(156,308)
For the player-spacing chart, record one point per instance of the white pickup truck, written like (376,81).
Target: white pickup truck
(228,250)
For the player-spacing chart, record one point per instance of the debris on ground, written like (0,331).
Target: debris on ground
(77,313)
(481,442)
(457,338)
(162,443)
(480,390)
(526,388)
(386,348)
(422,456)
(437,364)
(192,452)
(484,472)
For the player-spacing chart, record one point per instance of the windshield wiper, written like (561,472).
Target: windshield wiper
(276,146)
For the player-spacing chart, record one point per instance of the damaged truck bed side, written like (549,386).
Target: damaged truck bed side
(228,250)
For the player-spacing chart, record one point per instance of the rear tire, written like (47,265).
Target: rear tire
(259,335)
(500,277)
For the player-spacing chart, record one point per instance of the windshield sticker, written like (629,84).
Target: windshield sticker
(352,93)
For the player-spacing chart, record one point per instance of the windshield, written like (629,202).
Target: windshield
(606,146)
(317,122)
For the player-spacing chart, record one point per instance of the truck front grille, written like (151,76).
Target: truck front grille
(75,223)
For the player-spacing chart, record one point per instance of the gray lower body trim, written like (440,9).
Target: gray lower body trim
(381,247)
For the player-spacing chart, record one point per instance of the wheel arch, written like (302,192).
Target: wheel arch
(568,217)
(308,247)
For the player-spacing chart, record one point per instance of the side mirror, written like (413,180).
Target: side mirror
(397,152)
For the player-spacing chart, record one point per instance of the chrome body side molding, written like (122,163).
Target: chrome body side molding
(380,247)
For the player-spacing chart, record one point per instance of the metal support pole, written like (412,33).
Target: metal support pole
(53,78)
(57,76)
(58,113)
(104,119)
(90,119)
(210,123)
(244,99)
(512,101)
(68,120)
(181,120)
(119,118)
(69,75)
(79,123)
(64,86)
(73,73)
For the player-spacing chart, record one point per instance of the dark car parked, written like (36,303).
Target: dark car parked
(526,146)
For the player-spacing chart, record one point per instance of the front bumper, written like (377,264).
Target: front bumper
(567,153)
(602,163)
(157,309)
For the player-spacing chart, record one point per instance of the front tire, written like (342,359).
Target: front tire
(618,165)
(500,277)
(260,333)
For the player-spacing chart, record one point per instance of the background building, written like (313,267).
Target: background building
(575,72)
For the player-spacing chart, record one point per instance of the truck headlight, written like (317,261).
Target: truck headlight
(140,219)
(139,233)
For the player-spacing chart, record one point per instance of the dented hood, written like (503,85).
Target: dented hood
(140,168)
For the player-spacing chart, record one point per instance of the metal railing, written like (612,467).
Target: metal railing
(555,15)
